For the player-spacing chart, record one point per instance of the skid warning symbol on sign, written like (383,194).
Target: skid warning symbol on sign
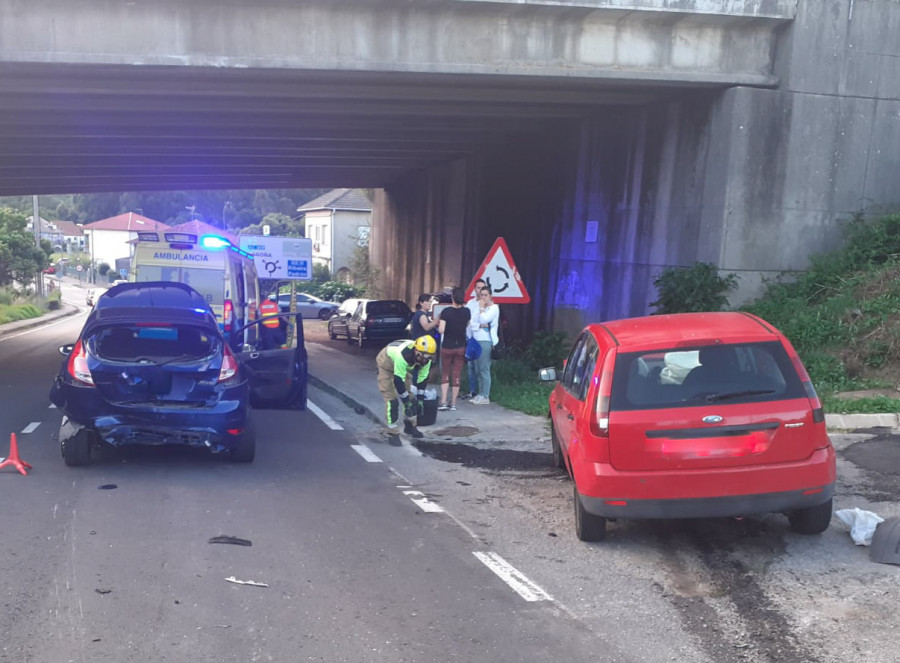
(499,271)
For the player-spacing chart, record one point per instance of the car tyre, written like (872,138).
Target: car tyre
(812,520)
(588,527)
(324,314)
(559,460)
(76,450)
(244,450)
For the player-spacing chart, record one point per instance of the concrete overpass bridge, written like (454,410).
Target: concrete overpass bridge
(605,139)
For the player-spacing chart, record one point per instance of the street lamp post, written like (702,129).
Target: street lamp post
(36,227)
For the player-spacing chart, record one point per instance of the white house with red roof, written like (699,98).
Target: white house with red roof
(108,240)
(337,223)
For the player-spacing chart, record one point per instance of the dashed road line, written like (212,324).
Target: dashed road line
(512,577)
(30,428)
(423,502)
(320,413)
(366,453)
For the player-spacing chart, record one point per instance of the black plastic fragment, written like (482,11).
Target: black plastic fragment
(232,540)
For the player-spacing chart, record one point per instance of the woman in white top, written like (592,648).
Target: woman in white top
(483,328)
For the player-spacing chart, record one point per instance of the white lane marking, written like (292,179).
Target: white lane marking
(365,452)
(328,421)
(31,427)
(512,577)
(423,502)
(6,337)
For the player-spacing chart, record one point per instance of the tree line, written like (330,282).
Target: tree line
(230,210)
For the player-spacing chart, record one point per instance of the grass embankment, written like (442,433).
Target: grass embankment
(843,317)
(14,307)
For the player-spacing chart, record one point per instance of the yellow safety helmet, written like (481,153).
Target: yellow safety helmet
(426,345)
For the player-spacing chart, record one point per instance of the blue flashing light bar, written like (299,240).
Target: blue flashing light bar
(215,242)
(148,237)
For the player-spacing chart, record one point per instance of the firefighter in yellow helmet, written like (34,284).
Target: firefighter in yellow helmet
(400,364)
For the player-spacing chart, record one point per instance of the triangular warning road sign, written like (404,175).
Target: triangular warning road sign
(499,271)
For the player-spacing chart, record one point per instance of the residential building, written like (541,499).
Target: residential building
(337,223)
(64,236)
(109,239)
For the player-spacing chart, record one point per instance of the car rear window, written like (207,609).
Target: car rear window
(152,342)
(733,373)
(208,282)
(388,308)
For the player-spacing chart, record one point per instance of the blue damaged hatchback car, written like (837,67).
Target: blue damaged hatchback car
(151,366)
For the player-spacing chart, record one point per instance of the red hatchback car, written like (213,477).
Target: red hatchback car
(691,415)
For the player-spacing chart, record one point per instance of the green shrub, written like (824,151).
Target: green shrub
(54,300)
(103,268)
(547,349)
(692,289)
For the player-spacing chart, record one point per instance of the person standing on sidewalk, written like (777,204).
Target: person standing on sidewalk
(484,330)
(452,325)
(422,322)
(401,363)
(472,305)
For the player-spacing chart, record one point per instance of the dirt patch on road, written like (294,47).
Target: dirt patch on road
(497,460)
(880,458)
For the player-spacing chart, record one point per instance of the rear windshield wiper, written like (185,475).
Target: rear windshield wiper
(737,394)
(148,360)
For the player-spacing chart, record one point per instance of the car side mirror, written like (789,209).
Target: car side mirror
(547,374)
(66,350)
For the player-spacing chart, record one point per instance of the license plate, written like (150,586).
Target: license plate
(393,320)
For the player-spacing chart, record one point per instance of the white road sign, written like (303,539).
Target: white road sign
(280,257)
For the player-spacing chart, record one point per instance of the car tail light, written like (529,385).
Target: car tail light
(228,315)
(600,414)
(229,366)
(370,322)
(78,365)
(817,411)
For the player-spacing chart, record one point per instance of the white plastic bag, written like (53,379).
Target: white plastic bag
(862,524)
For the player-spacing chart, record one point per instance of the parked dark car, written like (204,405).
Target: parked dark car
(371,320)
(337,323)
(151,367)
(691,415)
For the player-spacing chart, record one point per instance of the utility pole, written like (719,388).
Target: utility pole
(36,227)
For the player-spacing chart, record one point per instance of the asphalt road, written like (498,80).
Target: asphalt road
(378,553)
(111,562)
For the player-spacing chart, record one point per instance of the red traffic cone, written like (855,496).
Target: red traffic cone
(14,459)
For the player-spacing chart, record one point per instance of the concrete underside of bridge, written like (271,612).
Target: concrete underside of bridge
(604,140)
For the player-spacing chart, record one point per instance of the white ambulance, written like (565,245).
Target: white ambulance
(220,271)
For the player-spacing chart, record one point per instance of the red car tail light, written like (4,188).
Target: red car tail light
(227,315)
(78,366)
(229,366)
(817,411)
(600,414)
